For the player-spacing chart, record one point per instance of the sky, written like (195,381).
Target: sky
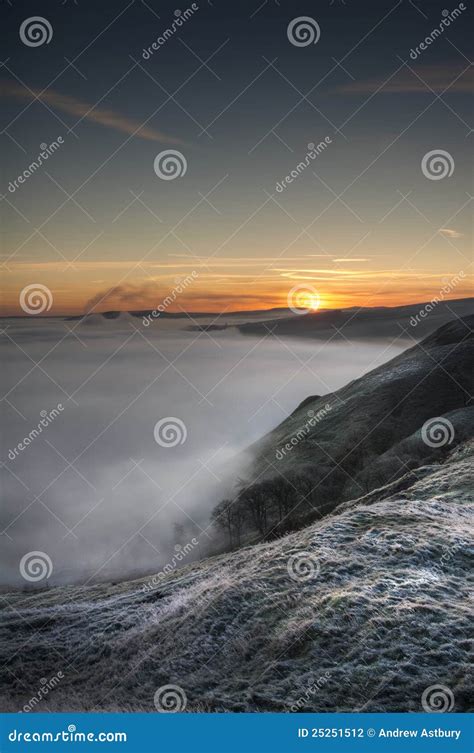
(368,222)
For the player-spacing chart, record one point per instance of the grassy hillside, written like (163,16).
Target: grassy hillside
(409,411)
(363,610)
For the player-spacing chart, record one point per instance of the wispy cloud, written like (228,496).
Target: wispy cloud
(450,233)
(84,111)
(342,276)
(420,79)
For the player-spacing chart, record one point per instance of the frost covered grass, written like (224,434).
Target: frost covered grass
(385,617)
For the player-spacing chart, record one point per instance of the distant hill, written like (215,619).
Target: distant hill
(414,321)
(184,314)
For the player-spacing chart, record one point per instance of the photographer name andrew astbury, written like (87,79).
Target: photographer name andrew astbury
(438,732)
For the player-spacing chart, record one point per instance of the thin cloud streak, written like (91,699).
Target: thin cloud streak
(450,233)
(85,111)
(437,78)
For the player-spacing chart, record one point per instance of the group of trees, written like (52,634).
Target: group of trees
(278,505)
(266,509)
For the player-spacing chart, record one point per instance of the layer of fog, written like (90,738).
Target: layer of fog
(94,490)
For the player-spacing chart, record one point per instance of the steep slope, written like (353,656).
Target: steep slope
(408,411)
(364,610)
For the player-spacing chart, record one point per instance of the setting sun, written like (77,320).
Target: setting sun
(314,302)
(304,297)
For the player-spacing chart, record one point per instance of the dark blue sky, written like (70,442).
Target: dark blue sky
(242,119)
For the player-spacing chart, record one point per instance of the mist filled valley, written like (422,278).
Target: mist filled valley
(94,489)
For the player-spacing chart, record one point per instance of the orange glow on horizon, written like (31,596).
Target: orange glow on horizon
(230,284)
(72,303)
